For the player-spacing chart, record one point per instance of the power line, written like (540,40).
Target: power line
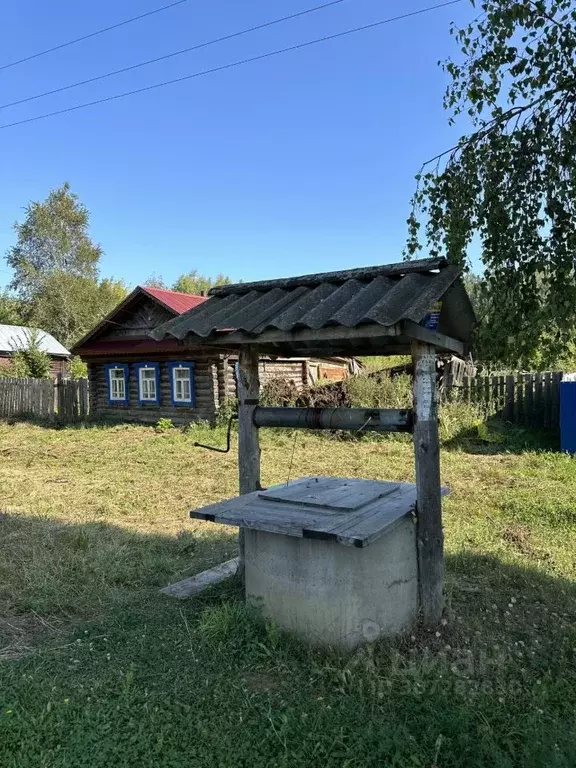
(172,55)
(232,64)
(92,34)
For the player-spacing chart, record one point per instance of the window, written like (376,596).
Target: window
(117,384)
(117,379)
(148,383)
(182,383)
(182,388)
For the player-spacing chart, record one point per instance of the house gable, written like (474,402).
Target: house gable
(136,321)
(134,318)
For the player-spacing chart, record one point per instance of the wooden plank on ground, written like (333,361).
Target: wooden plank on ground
(202,581)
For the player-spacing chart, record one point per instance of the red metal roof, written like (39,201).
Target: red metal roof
(178,302)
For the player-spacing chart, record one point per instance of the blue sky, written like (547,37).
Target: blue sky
(299,163)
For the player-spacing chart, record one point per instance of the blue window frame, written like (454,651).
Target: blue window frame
(148,381)
(117,382)
(182,384)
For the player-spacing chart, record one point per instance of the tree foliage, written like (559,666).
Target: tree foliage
(155,281)
(10,310)
(53,238)
(68,306)
(197,284)
(55,266)
(78,368)
(191,282)
(30,360)
(512,180)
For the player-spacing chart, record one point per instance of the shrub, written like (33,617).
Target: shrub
(78,368)
(280,392)
(164,425)
(30,361)
(227,411)
(379,391)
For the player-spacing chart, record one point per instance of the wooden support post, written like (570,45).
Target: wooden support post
(429,504)
(248,443)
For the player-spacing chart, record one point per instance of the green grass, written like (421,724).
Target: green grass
(98,669)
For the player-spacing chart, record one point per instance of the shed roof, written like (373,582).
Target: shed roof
(360,311)
(14,337)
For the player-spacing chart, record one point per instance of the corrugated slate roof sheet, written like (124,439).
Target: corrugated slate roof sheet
(14,337)
(383,296)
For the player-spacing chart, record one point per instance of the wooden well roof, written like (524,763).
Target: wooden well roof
(374,310)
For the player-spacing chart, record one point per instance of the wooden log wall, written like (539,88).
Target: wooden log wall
(302,372)
(207,398)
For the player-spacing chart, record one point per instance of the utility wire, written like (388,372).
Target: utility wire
(231,65)
(92,34)
(173,54)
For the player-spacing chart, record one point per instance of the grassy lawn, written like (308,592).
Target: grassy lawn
(98,669)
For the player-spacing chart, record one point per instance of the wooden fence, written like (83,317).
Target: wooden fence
(64,400)
(527,399)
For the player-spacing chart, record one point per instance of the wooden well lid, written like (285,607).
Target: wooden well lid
(351,511)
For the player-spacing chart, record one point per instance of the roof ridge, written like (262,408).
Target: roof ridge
(396,269)
(169,290)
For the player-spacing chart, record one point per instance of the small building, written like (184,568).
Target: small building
(17,337)
(132,377)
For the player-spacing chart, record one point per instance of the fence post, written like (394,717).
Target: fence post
(509,404)
(547,399)
(538,403)
(529,400)
(556,380)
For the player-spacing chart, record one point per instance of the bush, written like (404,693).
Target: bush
(164,425)
(379,391)
(78,368)
(280,392)
(29,362)
(458,417)
(228,410)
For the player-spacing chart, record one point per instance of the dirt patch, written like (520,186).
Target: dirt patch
(260,682)
(20,635)
(521,539)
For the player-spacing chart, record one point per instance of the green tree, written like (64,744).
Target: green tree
(68,306)
(52,238)
(55,267)
(197,284)
(511,180)
(78,368)
(155,281)
(30,360)
(10,313)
